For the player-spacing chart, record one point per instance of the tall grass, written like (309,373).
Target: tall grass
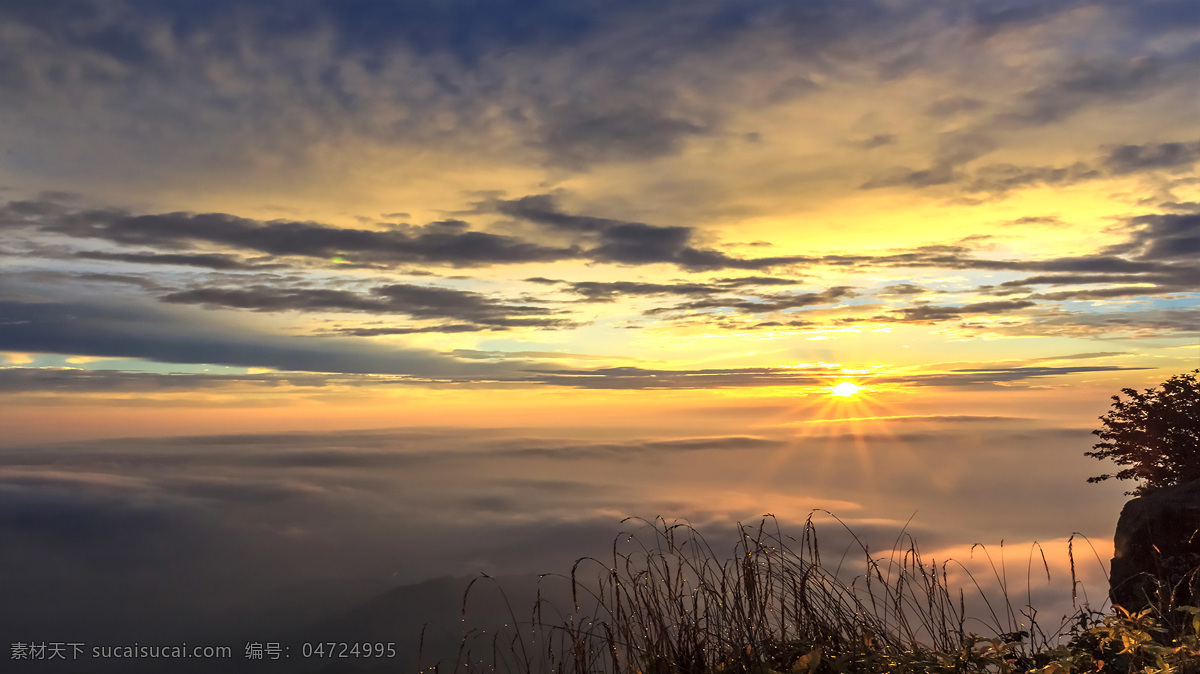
(666,602)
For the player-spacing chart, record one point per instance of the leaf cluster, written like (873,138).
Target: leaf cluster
(1156,433)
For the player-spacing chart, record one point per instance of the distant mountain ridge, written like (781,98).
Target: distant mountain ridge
(338,611)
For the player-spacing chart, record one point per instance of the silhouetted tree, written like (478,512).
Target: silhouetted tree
(1156,433)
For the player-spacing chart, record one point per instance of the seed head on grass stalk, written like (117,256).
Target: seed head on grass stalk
(667,602)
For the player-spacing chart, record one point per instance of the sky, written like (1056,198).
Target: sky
(300,290)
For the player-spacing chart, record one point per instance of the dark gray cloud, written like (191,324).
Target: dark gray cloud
(929,313)
(1158,254)
(956,150)
(764,303)
(741,281)
(123,330)
(1108,262)
(1149,322)
(1081,263)
(996,376)
(578,137)
(625,242)
(903,289)
(430,302)
(1128,324)
(39,276)
(522,75)
(1166,16)
(420,302)
(1086,356)
(878,140)
(76,380)
(993,18)
(907,177)
(130,331)
(218,261)
(1180,206)
(795,323)
(443,327)
(953,151)
(1157,238)
(608,291)
(1152,156)
(262,298)
(1106,293)
(1085,83)
(451,242)
(444,242)
(1168,237)
(1074,279)
(1053,221)
(1159,246)
(999,179)
(1179,278)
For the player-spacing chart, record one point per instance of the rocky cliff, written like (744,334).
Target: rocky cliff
(1157,548)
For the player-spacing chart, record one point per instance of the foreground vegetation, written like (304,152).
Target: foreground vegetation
(666,603)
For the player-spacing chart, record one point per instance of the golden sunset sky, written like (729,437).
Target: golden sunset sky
(506,272)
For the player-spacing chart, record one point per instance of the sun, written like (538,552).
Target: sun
(845,389)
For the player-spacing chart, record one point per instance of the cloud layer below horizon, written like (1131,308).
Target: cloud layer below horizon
(89,521)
